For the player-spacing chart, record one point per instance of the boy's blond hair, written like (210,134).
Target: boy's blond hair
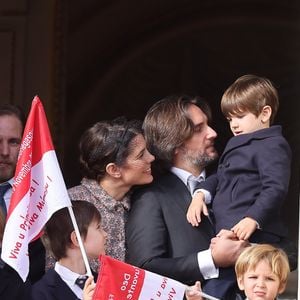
(250,93)
(252,255)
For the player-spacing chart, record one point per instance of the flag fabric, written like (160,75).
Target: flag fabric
(118,280)
(38,190)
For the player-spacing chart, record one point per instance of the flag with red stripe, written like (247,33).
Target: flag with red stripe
(38,190)
(118,280)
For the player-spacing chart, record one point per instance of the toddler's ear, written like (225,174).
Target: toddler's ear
(266,113)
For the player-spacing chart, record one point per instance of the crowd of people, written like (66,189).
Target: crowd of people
(145,198)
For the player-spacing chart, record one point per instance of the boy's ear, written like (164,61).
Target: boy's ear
(113,170)
(74,239)
(240,282)
(282,287)
(266,113)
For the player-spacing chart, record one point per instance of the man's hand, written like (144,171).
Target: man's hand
(225,248)
(244,228)
(195,209)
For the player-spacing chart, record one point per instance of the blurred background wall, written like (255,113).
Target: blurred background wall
(93,60)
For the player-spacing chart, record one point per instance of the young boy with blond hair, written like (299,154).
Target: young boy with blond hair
(262,272)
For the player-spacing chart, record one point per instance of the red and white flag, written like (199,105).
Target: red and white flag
(118,280)
(38,190)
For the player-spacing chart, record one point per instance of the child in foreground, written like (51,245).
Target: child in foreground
(262,272)
(60,283)
(60,238)
(253,174)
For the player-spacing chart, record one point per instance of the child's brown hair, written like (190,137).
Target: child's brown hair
(250,93)
(57,237)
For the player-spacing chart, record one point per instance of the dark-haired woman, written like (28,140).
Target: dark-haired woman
(113,159)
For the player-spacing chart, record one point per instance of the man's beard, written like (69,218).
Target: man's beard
(199,160)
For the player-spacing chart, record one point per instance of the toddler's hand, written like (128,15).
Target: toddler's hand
(244,228)
(195,209)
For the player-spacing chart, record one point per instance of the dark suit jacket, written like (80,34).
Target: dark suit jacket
(37,259)
(51,287)
(12,286)
(158,236)
(252,180)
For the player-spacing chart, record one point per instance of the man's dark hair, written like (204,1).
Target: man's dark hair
(13,110)
(167,126)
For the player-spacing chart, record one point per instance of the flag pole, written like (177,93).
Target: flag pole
(200,293)
(87,266)
(208,297)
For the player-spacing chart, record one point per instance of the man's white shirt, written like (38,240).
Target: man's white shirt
(205,260)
